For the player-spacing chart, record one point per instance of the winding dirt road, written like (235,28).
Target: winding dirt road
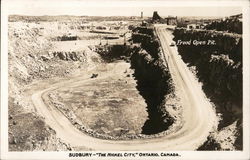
(199,118)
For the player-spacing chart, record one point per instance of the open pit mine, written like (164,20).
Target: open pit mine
(121,83)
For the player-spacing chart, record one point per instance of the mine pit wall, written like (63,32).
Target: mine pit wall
(111,53)
(148,41)
(153,83)
(66,38)
(29,60)
(153,80)
(219,68)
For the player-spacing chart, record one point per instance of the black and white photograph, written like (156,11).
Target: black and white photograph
(121,79)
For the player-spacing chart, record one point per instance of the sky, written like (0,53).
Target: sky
(117,8)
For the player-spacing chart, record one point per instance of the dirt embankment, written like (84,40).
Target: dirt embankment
(154,82)
(30,60)
(219,68)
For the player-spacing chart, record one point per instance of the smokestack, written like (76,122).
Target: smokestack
(141,15)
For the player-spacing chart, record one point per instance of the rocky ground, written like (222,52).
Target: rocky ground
(219,69)
(109,104)
(36,59)
(123,98)
(31,61)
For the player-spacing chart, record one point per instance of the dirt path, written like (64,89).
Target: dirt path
(199,117)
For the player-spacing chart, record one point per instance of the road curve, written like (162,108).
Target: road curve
(199,117)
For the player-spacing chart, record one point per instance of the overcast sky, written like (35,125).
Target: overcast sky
(116,8)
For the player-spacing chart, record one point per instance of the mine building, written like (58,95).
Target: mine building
(171,20)
(194,26)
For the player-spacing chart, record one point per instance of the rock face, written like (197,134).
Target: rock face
(225,43)
(219,68)
(153,80)
(70,56)
(147,31)
(145,36)
(29,60)
(114,52)
(233,25)
(67,38)
(28,132)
